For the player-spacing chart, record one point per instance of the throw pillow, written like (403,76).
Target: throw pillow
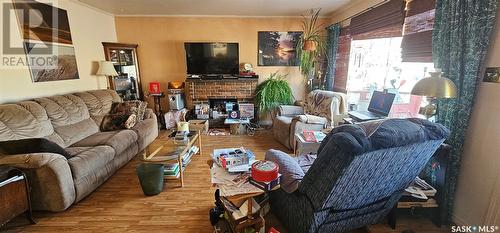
(118,121)
(135,107)
(32,145)
(290,170)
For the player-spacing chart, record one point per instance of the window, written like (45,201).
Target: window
(375,64)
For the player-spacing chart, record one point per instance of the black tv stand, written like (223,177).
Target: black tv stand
(212,76)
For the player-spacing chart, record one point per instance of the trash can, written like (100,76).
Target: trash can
(151,178)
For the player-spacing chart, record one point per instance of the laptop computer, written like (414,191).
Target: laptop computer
(380,106)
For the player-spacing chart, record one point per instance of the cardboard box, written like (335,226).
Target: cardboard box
(201,125)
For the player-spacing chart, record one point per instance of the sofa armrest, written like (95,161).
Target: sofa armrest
(149,113)
(290,110)
(311,119)
(50,179)
(291,173)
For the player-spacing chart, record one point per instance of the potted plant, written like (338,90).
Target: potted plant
(272,93)
(311,44)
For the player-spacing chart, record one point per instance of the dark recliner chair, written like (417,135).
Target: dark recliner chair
(358,176)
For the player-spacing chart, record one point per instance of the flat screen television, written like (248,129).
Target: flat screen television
(212,58)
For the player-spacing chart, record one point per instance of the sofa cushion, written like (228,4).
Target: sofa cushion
(26,119)
(69,116)
(99,102)
(89,160)
(119,140)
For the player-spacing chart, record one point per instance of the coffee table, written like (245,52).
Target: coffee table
(169,150)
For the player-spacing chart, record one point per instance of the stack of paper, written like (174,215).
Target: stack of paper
(231,184)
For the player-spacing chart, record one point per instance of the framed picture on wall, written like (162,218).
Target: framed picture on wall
(277,48)
(47,41)
(492,75)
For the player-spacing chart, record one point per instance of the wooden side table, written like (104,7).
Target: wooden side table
(14,195)
(301,147)
(158,109)
(252,220)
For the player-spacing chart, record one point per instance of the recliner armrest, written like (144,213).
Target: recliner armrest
(291,173)
(311,119)
(290,110)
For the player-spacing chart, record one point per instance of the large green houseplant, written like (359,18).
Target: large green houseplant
(311,44)
(272,93)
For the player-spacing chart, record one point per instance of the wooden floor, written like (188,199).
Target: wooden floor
(119,205)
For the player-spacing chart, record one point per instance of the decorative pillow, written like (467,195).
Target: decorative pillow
(32,145)
(291,172)
(135,107)
(118,121)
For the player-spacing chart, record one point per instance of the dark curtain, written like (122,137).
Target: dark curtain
(332,44)
(461,37)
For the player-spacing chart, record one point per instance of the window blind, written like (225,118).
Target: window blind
(388,15)
(416,45)
(342,61)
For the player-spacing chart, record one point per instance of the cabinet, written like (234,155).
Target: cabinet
(124,57)
(14,195)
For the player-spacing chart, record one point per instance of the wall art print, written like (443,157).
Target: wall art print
(278,48)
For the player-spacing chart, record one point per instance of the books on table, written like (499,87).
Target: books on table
(266,186)
(236,159)
(313,136)
(172,171)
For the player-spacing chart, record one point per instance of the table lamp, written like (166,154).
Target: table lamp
(107,69)
(434,87)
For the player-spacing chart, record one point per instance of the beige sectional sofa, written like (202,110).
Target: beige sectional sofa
(72,121)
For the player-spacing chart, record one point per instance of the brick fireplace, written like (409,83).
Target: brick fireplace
(201,91)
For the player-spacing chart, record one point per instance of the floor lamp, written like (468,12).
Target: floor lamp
(434,87)
(107,69)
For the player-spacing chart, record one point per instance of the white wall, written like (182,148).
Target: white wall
(479,183)
(89,27)
(353,8)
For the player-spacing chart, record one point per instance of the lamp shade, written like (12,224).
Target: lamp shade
(106,68)
(435,86)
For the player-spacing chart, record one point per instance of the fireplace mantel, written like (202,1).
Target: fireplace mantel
(200,91)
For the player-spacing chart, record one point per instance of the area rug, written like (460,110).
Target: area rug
(218,132)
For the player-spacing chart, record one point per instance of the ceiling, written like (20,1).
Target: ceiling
(216,7)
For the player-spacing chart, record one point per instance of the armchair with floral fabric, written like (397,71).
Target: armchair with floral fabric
(322,109)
